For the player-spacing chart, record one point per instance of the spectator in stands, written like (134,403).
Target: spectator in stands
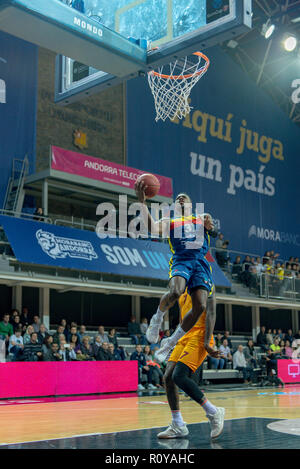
(73,331)
(237,267)
(42,334)
(226,336)
(144,326)
(239,363)
(261,339)
(103,352)
(269,337)
(289,336)
(220,241)
(52,355)
(16,344)
(134,332)
(112,338)
(297,336)
(96,345)
(250,354)
(218,340)
(296,349)
(59,330)
(215,363)
(253,279)
(36,323)
(27,335)
(222,255)
(76,345)
(266,257)
(16,322)
(280,334)
(33,350)
(73,355)
(225,353)
(82,332)
(86,351)
(38,214)
(6,329)
(114,352)
(47,347)
(63,323)
(25,318)
(157,374)
(258,265)
(287,351)
(271,363)
(144,369)
(102,334)
(64,351)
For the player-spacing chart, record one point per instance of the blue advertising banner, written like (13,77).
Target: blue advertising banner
(58,246)
(18,103)
(236,152)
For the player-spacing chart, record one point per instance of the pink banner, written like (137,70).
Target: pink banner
(37,379)
(289,370)
(94,168)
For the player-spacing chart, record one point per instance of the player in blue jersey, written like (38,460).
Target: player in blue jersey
(188,268)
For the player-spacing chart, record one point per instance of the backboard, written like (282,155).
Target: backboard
(92,37)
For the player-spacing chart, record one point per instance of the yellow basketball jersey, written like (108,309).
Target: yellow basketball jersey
(185,305)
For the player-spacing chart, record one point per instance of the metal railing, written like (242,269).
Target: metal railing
(31,216)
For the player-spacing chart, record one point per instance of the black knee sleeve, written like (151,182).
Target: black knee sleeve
(182,378)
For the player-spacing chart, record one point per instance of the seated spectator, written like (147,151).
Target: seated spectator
(36,323)
(75,342)
(144,326)
(114,352)
(46,347)
(112,338)
(144,369)
(16,344)
(101,333)
(250,354)
(218,340)
(271,363)
(266,257)
(240,363)
(226,336)
(269,337)
(16,323)
(86,351)
(73,331)
(81,332)
(254,281)
(157,374)
(258,265)
(134,332)
(222,255)
(32,351)
(225,353)
(289,336)
(42,334)
(261,339)
(96,345)
(64,351)
(275,348)
(215,363)
(25,318)
(6,329)
(59,331)
(280,334)
(237,267)
(287,351)
(220,241)
(63,323)
(27,335)
(72,353)
(103,352)
(51,354)
(38,214)
(296,349)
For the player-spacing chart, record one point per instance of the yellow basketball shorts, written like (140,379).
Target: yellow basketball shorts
(190,351)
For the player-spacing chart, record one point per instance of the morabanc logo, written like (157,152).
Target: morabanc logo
(58,247)
(274,235)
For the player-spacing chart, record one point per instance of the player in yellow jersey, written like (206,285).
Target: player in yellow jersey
(187,356)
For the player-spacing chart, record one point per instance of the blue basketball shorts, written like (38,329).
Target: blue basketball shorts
(197,272)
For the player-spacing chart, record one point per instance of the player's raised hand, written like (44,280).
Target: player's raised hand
(212,352)
(140,188)
(208,222)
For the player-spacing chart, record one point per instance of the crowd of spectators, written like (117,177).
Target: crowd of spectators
(278,274)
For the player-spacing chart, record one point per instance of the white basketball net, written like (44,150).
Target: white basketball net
(171,91)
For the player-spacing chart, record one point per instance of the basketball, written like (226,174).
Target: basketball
(152,184)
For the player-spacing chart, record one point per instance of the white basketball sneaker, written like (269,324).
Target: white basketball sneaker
(174,431)
(152,332)
(217,422)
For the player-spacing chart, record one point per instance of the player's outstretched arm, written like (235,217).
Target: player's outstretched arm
(157,228)
(210,322)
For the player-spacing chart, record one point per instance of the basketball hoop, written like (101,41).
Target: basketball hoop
(171,91)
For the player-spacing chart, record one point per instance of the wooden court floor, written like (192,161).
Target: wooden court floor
(36,420)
